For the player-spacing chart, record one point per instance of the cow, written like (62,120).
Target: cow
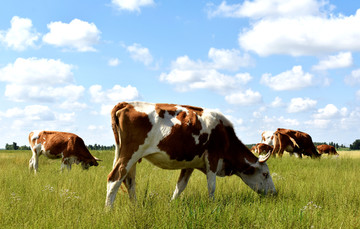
(328,149)
(53,144)
(267,137)
(262,148)
(180,137)
(294,141)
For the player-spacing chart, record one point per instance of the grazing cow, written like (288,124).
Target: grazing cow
(181,137)
(267,137)
(327,149)
(262,148)
(294,141)
(53,144)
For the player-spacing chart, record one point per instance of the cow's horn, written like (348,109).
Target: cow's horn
(97,159)
(262,158)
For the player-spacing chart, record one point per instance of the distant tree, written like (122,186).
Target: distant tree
(355,145)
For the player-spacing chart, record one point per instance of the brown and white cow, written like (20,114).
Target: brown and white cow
(267,137)
(294,141)
(328,149)
(53,144)
(180,137)
(262,148)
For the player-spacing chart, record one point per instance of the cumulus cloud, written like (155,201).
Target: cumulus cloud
(131,5)
(330,116)
(330,111)
(77,35)
(249,97)
(281,121)
(109,98)
(300,104)
(293,79)
(342,60)
(20,35)
(187,74)
(306,35)
(277,102)
(266,8)
(113,62)
(353,78)
(140,54)
(41,80)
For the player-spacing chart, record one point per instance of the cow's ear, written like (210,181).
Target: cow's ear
(250,170)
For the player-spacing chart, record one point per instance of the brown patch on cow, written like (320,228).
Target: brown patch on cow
(180,144)
(161,108)
(134,127)
(224,144)
(198,110)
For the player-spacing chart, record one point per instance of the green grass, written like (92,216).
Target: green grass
(311,194)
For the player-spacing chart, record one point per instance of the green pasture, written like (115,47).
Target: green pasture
(321,193)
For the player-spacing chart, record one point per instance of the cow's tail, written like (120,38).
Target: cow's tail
(116,128)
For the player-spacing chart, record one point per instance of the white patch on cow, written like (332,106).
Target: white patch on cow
(220,171)
(112,189)
(36,134)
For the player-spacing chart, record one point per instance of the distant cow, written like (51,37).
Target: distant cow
(328,149)
(267,137)
(262,148)
(294,141)
(181,137)
(53,144)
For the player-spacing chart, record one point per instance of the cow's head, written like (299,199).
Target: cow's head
(267,137)
(88,163)
(257,176)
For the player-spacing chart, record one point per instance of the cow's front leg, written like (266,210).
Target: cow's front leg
(182,182)
(211,182)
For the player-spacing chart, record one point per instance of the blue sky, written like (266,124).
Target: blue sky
(263,63)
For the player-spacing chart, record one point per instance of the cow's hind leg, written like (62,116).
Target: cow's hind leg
(130,182)
(34,160)
(118,174)
(182,182)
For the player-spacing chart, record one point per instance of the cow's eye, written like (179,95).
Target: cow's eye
(266,175)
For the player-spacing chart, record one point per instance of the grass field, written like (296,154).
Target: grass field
(311,194)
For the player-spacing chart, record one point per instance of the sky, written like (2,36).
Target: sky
(264,64)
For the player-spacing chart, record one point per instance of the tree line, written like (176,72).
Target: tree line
(14,146)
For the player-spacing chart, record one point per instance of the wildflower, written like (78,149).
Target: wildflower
(48,188)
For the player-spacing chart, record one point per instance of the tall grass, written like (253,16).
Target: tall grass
(311,194)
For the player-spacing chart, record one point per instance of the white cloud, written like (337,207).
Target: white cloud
(141,54)
(114,62)
(21,35)
(33,71)
(342,60)
(109,98)
(228,59)
(330,111)
(319,123)
(77,35)
(306,35)
(187,74)
(293,79)
(41,80)
(267,8)
(300,104)
(357,94)
(353,78)
(131,5)
(277,102)
(30,113)
(249,97)
(281,121)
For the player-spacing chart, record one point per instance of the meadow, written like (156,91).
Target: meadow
(311,194)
